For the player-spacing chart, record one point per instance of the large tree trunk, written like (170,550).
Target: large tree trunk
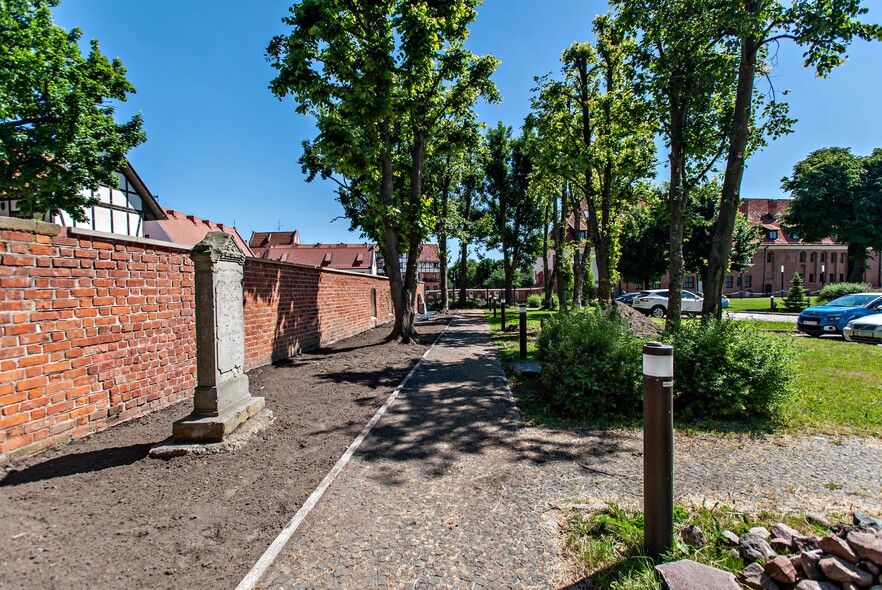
(730,197)
(547,278)
(857,262)
(676,205)
(508,271)
(559,258)
(442,246)
(578,260)
(464,253)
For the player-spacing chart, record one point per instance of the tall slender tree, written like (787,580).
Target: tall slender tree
(380,77)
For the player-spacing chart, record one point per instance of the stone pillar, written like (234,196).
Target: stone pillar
(221,401)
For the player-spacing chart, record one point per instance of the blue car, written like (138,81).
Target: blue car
(832,317)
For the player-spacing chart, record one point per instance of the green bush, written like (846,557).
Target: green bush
(534,301)
(729,370)
(591,365)
(836,290)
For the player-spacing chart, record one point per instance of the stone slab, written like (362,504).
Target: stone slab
(213,429)
(691,575)
(231,443)
(526,368)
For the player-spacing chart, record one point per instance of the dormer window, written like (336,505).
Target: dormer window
(773,234)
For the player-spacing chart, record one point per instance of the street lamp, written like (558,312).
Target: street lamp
(822,275)
(782,280)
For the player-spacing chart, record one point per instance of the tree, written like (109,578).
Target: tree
(515,216)
(797,298)
(644,251)
(381,77)
(686,71)
(824,28)
(836,193)
(57,132)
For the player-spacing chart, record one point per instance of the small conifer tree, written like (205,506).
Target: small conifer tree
(797,298)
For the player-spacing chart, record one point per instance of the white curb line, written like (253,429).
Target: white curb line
(251,579)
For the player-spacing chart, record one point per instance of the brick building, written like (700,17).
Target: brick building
(779,257)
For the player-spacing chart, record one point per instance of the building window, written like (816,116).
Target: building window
(656,285)
(841,278)
(773,234)
(738,282)
(582,234)
(832,278)
(823,257)
(689,282)
(811,277)
(842,260)
(802,256)
(768,257)
(747,281)
(728,282)
(812,257)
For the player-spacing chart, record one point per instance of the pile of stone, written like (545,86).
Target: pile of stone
(849,558)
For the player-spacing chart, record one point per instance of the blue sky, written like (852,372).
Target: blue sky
(221,146)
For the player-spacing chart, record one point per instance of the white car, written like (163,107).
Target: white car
(867,329)
(655,302)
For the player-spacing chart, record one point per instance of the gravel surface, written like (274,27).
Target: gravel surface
(100,514)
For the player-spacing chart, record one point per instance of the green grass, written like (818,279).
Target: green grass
(509,342)
(608,545)
(838,388)
(754,304)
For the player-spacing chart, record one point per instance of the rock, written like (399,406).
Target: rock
(694,536)
(871,567)
(781,570)
(796,562)
(867,545)
(761,531)
(754,576)
(817,518)
(785,533)
(810,561)
(838,547)
(731,537)
(801,543)
(691,575)
(849,586)
(755,548)
(814,585)
(781,544)
(867,523)
(839,570)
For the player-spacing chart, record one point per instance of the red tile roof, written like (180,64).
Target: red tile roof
(189,230)
(267,239)
(768,213)
(430,253)
(338,256)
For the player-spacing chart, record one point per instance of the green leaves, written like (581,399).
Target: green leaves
(57,132)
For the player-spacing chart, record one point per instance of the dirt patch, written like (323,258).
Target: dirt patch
(640,325)
(100,514)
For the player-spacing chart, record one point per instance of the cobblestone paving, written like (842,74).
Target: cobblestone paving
(452,490)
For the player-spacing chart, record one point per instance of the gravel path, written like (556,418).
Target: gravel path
(453,490)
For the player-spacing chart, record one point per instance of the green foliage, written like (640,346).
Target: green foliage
(729,370)
(591,365)
(57,133)
(836,290)
(534,300)
(797,298)
(644,239)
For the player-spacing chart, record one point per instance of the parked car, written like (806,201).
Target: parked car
(867,329)
(627,298)
(832,317)
(655,302)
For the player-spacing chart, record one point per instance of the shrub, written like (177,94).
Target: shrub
(591,365)
(534,301)
(796,299)
(836,290)
(729,370)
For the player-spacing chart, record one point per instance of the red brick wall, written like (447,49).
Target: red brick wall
(290,308)
(92,332)
(98,330)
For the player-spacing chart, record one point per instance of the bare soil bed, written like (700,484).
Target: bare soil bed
(100,513)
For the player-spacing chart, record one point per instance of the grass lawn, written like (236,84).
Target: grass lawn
(754,304)
(509,342)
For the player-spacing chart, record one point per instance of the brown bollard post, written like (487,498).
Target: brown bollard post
(658,448)
(494,307)
(502,312)
(523,311)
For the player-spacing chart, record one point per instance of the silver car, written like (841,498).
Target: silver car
(867,329)
(655,302)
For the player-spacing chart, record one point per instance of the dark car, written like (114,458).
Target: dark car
(627,298)
(832,317)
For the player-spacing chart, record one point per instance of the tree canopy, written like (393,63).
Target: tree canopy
(836,193)
(57,131)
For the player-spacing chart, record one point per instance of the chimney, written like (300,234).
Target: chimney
(773,208)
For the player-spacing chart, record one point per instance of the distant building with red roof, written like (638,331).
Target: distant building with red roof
(351,257)
(188,230)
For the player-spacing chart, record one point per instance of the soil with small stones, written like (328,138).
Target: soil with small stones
(100,513)
(641,326)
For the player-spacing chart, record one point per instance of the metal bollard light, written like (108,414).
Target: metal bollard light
(502,312)
(523,312)
(658,447)
(494,307)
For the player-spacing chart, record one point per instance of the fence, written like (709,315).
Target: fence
(97,329)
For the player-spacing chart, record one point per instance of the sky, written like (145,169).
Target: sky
(221,146)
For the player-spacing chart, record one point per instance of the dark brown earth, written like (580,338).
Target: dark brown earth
(641,326)
(100,513)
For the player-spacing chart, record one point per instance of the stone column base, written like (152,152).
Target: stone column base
(213,429)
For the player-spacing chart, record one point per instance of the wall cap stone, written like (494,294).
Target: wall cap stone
(89,233)
(30,225)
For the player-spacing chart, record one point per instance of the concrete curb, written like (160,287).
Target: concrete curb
(266,560)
